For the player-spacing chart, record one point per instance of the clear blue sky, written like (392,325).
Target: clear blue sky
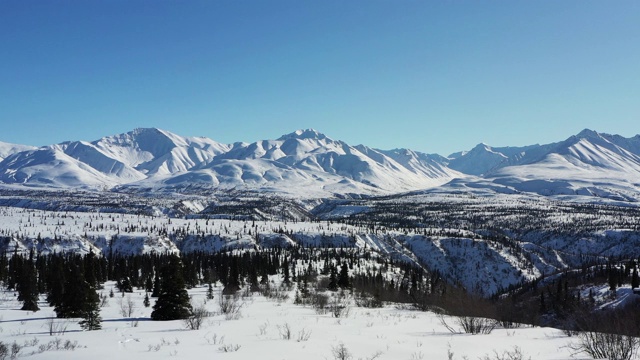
(434,76)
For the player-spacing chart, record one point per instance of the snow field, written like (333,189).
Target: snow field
(387,333)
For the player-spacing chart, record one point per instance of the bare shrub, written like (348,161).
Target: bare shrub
(285,331)
(368,301)
(195,320)
(606,345)
(320,302)
(263,328)
(340,352)
(515,354)
(303,335)
(230,306)
(104,300)
(15,349)
(229,347)
(127,306)
(215,339)
(339,307)
(56,327)
(469,324)
(278,294)
(56,345)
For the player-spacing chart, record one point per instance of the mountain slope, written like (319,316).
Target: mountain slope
(7,149)
(304,163)
(310,163)
(586,164)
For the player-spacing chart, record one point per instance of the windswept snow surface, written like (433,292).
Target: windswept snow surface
(387,333)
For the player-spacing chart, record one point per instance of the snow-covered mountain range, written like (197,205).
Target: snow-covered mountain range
(309,164)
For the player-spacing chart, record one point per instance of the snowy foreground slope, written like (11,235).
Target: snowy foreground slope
(257,333)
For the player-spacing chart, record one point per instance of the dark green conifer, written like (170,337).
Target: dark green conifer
(343,278)
(28,285)
(173,300)
(90,312)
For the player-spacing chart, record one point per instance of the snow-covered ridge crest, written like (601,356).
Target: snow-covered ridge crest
(308,164)
(305,162)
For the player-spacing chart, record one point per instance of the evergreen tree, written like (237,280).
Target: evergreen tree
(333,279)
(173,300)
(146,302)
(343,278)
(210,292)
(285,272)
(148,284)
(232,284)
(56,279)
(90,312)
(90,265)
(28,286)
(75,293)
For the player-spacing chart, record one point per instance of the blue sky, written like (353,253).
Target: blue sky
(434,76)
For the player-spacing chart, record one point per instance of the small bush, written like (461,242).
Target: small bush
(515,354)
(230,306)
(4,351)
(607,346)
(229,347)
(339,307)
(195,320)
(320,302)
(470,324)
(285,331)
(340,352)
(127,306)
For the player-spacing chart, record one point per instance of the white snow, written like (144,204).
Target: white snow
(387,333)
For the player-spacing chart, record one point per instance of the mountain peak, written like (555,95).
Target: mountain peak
(304,134)
(587,133)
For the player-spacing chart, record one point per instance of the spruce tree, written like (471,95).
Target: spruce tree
(333,279)
(285,272)
(28,285)
(343,278)
(56,279)
(232,284)
(90,312)
(75,293)
(173,300)
(210,292)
